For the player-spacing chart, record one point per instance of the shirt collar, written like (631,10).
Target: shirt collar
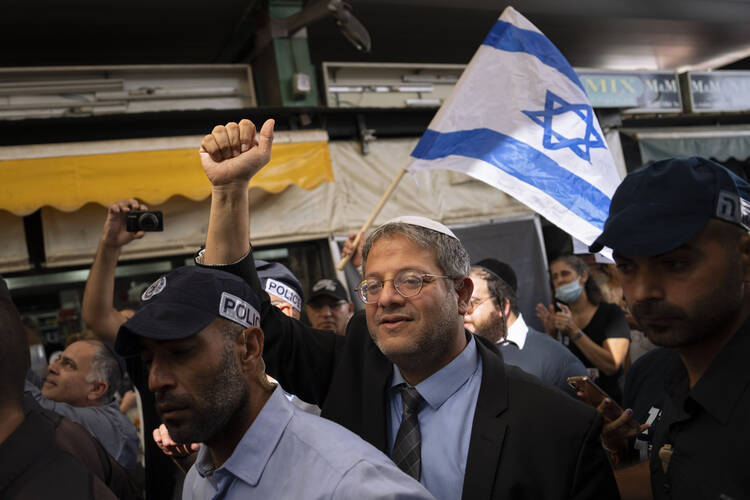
(516,333)
(250,456)
(441,385)
(720,388)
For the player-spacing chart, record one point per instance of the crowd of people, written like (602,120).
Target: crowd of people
(438,389)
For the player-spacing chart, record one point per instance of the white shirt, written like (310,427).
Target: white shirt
(516,333)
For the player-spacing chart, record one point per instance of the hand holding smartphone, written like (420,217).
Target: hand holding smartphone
(594,395)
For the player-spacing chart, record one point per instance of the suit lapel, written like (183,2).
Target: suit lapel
(488,429)
(378,372)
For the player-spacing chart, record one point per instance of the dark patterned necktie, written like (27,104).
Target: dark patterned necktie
(407,450)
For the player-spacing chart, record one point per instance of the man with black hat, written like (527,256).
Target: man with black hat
(678,229)
(493,313)
(329,307)
(198,332)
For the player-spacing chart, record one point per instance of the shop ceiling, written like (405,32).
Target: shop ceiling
(612,34)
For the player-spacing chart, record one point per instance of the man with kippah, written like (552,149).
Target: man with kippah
(678,229)
(198,333)
(493,313)
(407,377)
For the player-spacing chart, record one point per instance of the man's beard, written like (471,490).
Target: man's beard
(491,329)
(427,344)
(668,325)
(218,401)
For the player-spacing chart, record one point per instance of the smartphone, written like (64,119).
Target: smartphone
(594,395)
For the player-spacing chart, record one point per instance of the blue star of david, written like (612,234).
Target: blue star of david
(555,105)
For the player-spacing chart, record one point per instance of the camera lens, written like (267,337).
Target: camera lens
(148,221)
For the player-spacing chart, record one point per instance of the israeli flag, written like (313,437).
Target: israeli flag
(519,120)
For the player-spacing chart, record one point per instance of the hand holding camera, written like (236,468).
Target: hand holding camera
(144,220)
(119,230)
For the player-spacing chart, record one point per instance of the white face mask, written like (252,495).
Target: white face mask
(569,292)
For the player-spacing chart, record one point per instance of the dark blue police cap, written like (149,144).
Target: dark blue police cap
(278,280)
(664,205)
(183,302)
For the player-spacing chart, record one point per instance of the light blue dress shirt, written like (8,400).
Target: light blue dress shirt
(289,454)
(445,421)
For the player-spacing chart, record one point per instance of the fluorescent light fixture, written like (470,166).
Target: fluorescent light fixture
(60,87)
(414,103)
(380,88)
(423,88)
(339,89)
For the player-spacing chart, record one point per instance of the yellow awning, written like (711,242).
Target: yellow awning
(67,176)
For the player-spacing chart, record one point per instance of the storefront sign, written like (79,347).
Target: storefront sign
(718,91)
(643,92)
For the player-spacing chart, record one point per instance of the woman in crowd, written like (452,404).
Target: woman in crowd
(595,331)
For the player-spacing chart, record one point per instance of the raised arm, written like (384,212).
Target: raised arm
(98,297)
(300,358)
(231,155)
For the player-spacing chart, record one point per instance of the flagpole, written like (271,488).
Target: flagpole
(371,219)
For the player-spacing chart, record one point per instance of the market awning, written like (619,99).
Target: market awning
(67,176)
(720,143)
(14,255)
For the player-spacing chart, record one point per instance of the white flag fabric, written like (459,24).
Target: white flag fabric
(519,120)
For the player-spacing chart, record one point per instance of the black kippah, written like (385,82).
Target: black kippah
(501,270)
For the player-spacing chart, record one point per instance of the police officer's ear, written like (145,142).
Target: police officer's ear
(464,288)
(251,346)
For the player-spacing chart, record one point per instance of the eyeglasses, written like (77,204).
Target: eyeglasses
(476,302)
(407,284)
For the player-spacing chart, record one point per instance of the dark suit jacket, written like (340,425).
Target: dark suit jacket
(528,440)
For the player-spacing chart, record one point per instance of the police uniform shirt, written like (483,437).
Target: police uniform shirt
(644,394)
(707,428)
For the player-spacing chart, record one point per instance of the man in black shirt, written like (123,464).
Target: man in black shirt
(679,231)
